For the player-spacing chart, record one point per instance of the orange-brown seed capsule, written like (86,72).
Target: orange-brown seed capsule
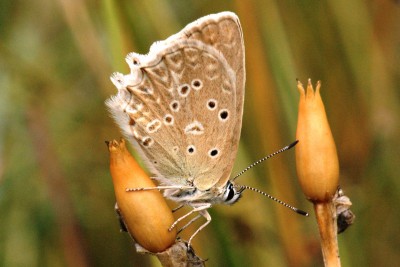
(145,213)
(316,157)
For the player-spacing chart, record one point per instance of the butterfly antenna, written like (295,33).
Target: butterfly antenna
(301,212)
(265,158)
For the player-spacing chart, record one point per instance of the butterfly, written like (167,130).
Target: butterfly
(181,107)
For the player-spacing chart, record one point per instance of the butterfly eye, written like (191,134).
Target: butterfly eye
(231,195)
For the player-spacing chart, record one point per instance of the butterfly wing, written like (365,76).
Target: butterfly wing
(182,103)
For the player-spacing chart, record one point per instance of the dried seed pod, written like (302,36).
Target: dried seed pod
(316,157)
(145,213)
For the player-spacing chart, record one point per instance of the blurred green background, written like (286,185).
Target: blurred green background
(56,195)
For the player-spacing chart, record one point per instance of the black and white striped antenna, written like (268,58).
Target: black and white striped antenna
(265,158)
(243,187)
(299,211)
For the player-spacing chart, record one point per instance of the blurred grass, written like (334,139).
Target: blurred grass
(56,196)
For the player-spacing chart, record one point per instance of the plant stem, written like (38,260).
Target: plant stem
(326,218)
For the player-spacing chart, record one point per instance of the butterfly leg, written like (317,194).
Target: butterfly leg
(206,215)
(195,209)
(178,208)
(180,187)
(189,223)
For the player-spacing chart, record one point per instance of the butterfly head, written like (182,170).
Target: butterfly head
(232,193)
(228,194)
